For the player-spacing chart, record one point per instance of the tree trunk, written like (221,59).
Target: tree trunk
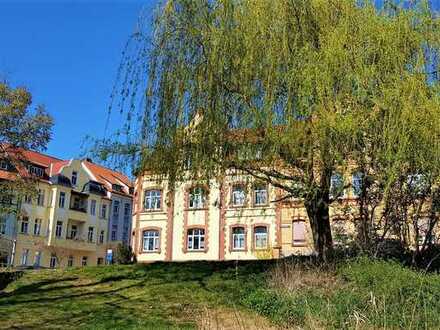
(318,211)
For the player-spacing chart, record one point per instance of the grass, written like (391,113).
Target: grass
(361,294)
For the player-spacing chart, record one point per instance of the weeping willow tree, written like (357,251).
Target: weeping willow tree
(286,92)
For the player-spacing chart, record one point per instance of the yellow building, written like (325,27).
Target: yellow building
(67,222)
(235,218)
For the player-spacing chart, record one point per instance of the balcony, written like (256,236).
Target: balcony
(77,215)
(74,244)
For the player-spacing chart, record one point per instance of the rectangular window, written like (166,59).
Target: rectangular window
(73,231)
(152,199)
(74,178)
(37,226)
(113,235)
(4,165)
(260,235)
(2,226)
(84,261)
(59,229)
(40,197)
(299,232)
(93,207)
(53,261)
(90,234)
(104,211)
(28,199)
(62,200)
(196,239)
(126,210)
(196,198)
(260,195)
(24,225)
(116,209)
(337,185)
(70,261)
(238,195)
(101,237)
(151,240)
(100,261)
(357,179)
(24,257)
(37,260)
(238,238)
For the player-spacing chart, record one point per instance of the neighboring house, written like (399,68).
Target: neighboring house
(8,233)
(232,219)
(67,222)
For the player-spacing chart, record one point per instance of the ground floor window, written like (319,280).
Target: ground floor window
(151,240)
(84,261)
(196,239)
(299,232)
(53,261)
(70,261)
(24,257)
(37,260)
(100,261)
(238,238)
(260,235)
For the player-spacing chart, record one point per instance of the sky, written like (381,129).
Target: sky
(67,52)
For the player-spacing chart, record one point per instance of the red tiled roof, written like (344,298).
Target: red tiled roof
(107,176)
(57,166)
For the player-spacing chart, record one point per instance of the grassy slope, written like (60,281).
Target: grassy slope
(140,296)
(358,294)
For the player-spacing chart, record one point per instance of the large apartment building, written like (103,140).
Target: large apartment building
(68,222)
(235,218)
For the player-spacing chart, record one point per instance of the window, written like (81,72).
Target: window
(418,184)
(104,211)
(196,198)
(299,232)
(152,199)
(356,182)
(113,237)
(260,195)
(70,261)
(37,226)
(337,185)
(24,257)
(53,261)
(151,240)
(34,170)
(73,231)
(116,209)
(196,239)
(126,210)
(59,229)
(260,234)
(101,237)
(4,165)
(100,261)
(28,199)
(62,200)
(74,178)
(90,234)
(2,226)
(84,261)
(238,238)
(24,225)
(93,207)
(37,260)
(238,195)
(40,197)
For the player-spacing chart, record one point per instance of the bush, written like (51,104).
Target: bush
(124,255)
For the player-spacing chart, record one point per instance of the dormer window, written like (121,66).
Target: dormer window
(4,165)
(74,178)
(117,187)
(34,170)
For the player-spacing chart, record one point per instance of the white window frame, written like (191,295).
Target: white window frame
(101,237)
(239,238)
(104,211)
(152,199)
(261,237)
(70,261)
(53,261)
(150,240)
(24,224)
(37,226)
(337,178)
(260,189)
(37,260)
(238,195)
(59,229)
(24,257)
(62,200)
(195,239)
(74,178)
(40,197)
(90,234)
(73,229)
(93,207)
(356,179)
(197,198)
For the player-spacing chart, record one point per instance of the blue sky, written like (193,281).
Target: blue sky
(67,53)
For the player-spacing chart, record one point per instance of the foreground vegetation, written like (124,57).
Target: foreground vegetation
(360,293)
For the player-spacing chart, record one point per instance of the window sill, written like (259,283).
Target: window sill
(196,209)
(152,211)
(196,251)
(238,250)
(151,252)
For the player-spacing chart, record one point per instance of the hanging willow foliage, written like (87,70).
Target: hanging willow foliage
(287,91)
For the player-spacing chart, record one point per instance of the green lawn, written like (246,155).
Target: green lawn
(154,296)
(354,294)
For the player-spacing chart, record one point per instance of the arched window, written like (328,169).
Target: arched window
(196,239)
(238,238)
(151,240)
(197,198)
(260,236)
(238,195)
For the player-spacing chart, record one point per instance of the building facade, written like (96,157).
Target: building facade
(67,222)
(235,218)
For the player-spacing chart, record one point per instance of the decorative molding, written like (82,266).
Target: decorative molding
(231,247)
(141,245)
